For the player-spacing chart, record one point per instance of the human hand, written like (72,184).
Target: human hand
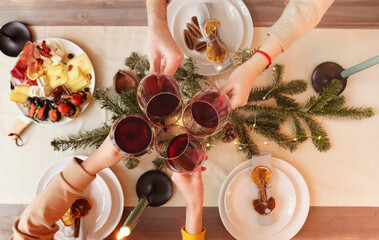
(105,156)
(191,186)
(239,86)
(163,53)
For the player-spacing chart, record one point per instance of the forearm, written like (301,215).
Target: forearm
(38,219)
(194,218)
(156,12)
(297,19)
(258,62)
(105,156)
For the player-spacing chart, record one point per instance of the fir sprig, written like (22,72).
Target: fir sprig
(110,101)
(83,139)
(158,164)
(130,163)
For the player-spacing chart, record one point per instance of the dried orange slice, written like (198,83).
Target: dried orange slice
(67,218)
(216,52)
(264,208)
(80,208)
(210,26)
(261,172)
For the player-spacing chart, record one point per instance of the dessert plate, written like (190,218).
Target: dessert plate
(236,28)
(242,191)
(104,192)
(288,230)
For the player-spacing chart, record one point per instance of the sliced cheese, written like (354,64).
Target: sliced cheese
(17,97)
(22,89)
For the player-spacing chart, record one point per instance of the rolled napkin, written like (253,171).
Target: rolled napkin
(263,159)
(203,11)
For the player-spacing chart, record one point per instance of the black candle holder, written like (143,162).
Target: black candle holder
(324,74)
(13,37)
(156,186)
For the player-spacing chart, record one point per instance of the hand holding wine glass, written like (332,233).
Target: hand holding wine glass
(163,53)
(191,187)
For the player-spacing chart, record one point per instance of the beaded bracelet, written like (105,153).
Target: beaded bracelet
(266,55)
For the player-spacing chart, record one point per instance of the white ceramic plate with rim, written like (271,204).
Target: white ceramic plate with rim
(236,28)
(104,192)
(242,191)
(299,216)
(68,47)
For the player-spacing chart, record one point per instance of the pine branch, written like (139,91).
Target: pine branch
(345,112)
(272,110)
(188,79)
(247,144)
(130,163)
(336,102)
(264,122)
(129,101)
(278,71)
(92,138)
(138,63)
(299,131)
(318,135)
(293,87)
(329,93)
(284,101)
(158,164)
(281,139)
(242,55)
(110,101)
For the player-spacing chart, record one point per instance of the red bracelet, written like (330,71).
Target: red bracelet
(266,55)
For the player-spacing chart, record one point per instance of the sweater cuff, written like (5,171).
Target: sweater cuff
(76,176)
(187,236)
(284,32)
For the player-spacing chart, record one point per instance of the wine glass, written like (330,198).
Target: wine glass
(160,98)
(180,151)
(207,112)
(131,135)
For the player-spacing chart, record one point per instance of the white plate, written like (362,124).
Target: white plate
(299,216)
(106,195)
(68,47)
(236,28)
(242,191)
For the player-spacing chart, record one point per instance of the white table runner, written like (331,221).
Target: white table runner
(347,175)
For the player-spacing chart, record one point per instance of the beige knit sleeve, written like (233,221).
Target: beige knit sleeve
(38,219)
(298,18)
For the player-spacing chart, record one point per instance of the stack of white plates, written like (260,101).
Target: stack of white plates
(105,194)
(292,203)
(236,28)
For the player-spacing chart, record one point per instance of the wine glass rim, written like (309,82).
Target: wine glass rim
(198,100)
(185,149)
(180,103)
(113,140)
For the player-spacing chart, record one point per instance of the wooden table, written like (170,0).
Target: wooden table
(165,223)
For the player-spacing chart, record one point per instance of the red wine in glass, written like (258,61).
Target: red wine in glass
(180,151)
(184,154)
(207,112)
(159,97)
(162,105)
(132,135)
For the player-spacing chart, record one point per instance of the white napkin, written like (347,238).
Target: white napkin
(263,159)
(203,11)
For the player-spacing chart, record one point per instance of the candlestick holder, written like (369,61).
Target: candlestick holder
(154,188)
(13,37)
(326,72)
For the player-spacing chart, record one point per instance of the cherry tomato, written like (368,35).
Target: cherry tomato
(76,99)
(63,108)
